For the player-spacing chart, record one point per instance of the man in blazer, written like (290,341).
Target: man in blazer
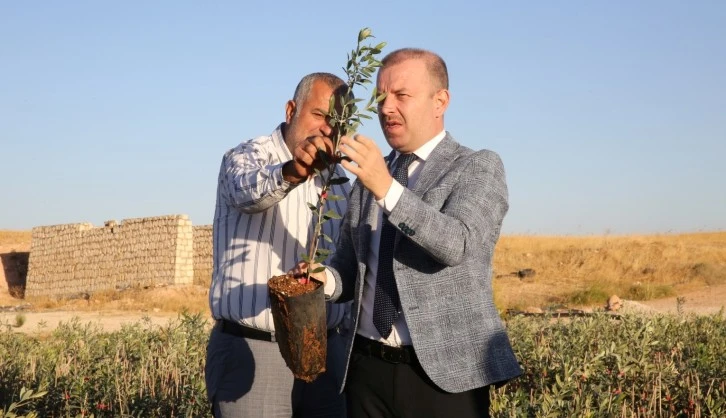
(415,256)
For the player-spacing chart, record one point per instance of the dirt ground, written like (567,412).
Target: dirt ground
(112,316)
(700,302)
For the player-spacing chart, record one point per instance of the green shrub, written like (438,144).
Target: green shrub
(141,370)
(648,292)
(599,366)
(592,295)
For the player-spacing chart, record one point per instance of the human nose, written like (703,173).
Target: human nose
(385,106)
(326,129)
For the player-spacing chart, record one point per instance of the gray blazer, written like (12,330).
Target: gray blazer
(448,226)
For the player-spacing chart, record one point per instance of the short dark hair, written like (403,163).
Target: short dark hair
(434,63)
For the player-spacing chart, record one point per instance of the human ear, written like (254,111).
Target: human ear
(290,109)
(441,102)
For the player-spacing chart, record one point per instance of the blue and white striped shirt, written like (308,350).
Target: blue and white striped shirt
(261,227)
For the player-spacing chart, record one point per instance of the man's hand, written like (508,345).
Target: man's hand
(369,167)
(305,159)
(300,272)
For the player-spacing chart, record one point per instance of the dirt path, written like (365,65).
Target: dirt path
(702,302)
(46,322)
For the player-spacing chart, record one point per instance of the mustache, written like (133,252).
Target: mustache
(389,119)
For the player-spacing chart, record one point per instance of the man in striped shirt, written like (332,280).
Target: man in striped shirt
(261,226)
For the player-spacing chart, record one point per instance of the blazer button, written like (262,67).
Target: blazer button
(412,233)
(402,226)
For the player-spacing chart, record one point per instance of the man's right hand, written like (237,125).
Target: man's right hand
(305,159)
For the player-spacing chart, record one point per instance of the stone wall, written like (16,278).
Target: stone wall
(78,259)
(203,255)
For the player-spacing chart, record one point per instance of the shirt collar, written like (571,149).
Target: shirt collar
(427,148)
(280,141)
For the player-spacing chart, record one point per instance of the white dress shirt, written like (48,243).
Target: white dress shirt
(261,227)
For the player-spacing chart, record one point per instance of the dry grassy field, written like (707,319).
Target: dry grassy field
(21,239)
(586,270)
(568,271)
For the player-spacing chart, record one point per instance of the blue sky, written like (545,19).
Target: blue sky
(610,117)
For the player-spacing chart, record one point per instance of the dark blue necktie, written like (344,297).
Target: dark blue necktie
(387,304)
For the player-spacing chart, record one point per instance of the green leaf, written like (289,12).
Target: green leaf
(305,258)
(318,270)
(363,34)
(331,214)
(374,93)
(331,103)
(381,97)
(320,259)
(339,180)
(312,207)
(326,237)
(323,251)
(335,197)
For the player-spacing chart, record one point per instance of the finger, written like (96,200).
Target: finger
(298,270)
(351,153)
(328,144)
(360,138)
(353,168)
(322,143)
(363,140)
(312,151)
(350,145)
(363,145)
(349,141)
(304,158)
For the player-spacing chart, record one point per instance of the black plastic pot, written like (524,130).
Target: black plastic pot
(300,329)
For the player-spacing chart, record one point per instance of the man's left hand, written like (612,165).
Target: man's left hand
(369,167)
(301,269)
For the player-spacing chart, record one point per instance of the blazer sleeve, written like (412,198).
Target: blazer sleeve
(474,208)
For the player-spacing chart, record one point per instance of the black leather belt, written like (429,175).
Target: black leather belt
(238,330)
(403,354)
(233,328)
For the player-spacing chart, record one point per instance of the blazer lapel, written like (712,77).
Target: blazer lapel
(436,165)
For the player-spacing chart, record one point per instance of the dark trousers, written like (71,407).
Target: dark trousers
(380,388)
